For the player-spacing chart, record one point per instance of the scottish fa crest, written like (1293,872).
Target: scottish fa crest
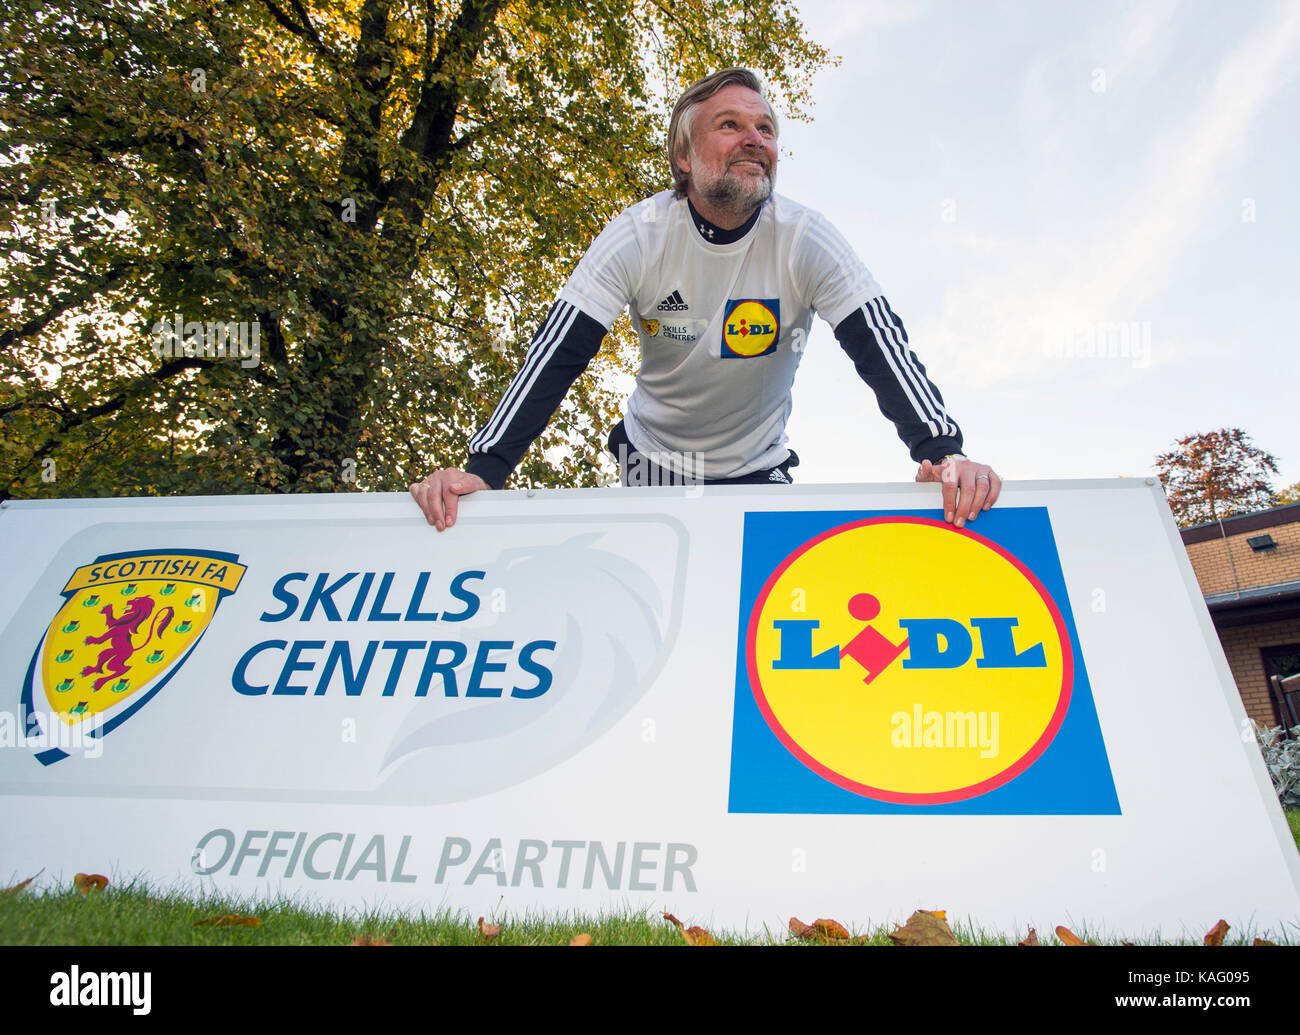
(127,624)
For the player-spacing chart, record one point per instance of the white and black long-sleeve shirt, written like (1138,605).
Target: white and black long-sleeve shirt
(722,327)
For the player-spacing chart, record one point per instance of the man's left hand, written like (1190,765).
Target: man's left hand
(968,487)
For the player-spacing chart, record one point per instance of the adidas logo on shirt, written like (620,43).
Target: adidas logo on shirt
(674,303)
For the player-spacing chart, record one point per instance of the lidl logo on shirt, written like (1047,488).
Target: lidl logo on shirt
(893,663)
(750,327)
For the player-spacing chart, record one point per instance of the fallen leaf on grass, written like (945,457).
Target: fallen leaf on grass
(229,920)
(693,935)
(365,939)
(580,939)
(19,887)
(1031,938)
(88,882)
(488,931)
(1215,936)
(924,927)
(1261,941)
(1068,937)
(822,930)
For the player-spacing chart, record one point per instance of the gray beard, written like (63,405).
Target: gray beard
(729,194)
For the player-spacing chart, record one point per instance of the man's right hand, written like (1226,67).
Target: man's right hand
(438,494)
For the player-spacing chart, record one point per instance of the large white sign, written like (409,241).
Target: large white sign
(738,704)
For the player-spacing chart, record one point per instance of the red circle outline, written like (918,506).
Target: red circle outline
(771,315)
(898,797)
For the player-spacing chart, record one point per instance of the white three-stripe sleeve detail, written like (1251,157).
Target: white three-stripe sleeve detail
(926,385)
(843,279)
(888,349)
(947,426)
(606,245)
(547,340)
(911,380)
(604,279)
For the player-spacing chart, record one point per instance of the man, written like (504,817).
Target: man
(722,278)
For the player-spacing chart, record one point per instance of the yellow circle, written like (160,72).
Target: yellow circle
(885,726)
(750,329)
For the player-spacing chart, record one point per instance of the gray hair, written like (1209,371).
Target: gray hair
(679,126)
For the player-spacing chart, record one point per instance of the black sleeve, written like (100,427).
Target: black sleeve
(562,348)
(875,340)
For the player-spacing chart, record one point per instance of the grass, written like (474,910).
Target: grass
(137,914)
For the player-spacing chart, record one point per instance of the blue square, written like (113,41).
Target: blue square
(751,327)
(1071,775)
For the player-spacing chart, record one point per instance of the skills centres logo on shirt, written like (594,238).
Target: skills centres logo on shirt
(893,663)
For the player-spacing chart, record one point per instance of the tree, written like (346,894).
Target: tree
(1215,475)
(1291,494)
(386,194)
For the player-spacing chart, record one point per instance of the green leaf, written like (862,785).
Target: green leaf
(376,335)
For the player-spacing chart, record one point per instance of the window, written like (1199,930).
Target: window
(1282,661)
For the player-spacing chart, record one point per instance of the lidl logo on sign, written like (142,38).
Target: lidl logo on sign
(750,327)
(892,663)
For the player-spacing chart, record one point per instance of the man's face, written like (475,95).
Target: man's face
(732,158)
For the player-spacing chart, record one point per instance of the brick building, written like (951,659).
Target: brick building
(1248,568)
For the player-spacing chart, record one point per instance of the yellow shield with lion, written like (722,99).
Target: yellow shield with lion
(127,623)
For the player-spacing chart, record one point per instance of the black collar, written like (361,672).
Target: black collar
(714,234)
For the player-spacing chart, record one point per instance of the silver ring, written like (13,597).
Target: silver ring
(979,476)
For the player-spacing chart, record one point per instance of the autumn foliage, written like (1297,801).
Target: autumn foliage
(1215,475)
(924,927)
(392,194)
(87,883)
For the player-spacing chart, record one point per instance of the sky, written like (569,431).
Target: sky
(1086,216)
